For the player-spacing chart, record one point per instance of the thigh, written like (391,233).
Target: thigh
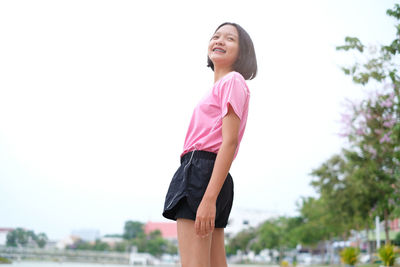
(194,250)
(218,255)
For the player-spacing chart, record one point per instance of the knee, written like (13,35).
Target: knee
(194,263)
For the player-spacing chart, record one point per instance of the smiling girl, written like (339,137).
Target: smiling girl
(200,194)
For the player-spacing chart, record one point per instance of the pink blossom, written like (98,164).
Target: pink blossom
(370,149)
(346,119)
(390,123)
(391,96)
(378,131)
(387,103)
(385,138)
(360,131)
(344,134)
(389,86)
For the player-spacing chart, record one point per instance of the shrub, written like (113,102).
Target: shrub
(387,255)
(350,255)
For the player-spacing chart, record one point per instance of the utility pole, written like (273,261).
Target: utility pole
(378,233)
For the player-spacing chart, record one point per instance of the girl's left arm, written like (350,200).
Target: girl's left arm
(205,217)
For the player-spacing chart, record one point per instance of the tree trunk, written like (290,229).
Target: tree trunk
(323,250)
(386,217)
(369,252)
(280,255)
(331,252)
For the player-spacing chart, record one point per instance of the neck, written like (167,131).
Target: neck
(220,72)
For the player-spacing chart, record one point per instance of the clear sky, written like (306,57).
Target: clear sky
(96,97)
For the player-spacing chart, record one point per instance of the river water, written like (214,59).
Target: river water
(69,264)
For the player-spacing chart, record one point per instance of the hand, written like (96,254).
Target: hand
(205,218)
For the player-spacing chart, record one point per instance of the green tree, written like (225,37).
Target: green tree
(397,239)
(278,233)
(133,229)
(332,211)
(100,246)
(241,241)
(347,187)
(363,190)
(152,243)
(156,245)
(122,246)
(171,248)
(81,245)
(375,125)
(19,237)
(41,240)
(140,242)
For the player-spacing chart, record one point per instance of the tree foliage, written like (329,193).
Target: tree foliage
(134,236)
(373,128)
(22,238)
(241,241)
(133,229)
(280,233)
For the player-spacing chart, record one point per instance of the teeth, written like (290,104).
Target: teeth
(220,50)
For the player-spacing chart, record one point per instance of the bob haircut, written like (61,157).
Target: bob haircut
(246,62)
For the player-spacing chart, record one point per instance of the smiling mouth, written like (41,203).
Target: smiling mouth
(219,50)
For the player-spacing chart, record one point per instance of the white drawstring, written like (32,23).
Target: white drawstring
(190,160)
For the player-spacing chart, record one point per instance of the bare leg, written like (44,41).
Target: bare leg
(218,255)
(194,250)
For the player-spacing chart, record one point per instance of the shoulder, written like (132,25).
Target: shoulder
(236,80)
(234,75)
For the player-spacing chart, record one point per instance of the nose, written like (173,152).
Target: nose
(219,41)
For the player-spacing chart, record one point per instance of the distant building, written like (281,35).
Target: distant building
(241,219)
(68,241)
(87,234)
(168,229)
(3,235)
(137,258)
(395,224)
(112,241)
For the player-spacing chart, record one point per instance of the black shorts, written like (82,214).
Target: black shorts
(189,184)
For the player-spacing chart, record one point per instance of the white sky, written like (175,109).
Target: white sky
(96,97)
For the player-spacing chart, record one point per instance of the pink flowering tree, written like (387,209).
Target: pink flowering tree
(373,125)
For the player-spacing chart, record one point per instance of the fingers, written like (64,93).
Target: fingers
(204,226)
(197,226)
(212,225)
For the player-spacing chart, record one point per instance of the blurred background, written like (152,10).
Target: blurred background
(96,98)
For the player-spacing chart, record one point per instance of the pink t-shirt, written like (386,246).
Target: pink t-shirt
(205,128)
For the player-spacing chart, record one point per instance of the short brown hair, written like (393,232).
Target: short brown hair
(246,63)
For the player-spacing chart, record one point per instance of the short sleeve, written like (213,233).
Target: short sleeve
(234,92)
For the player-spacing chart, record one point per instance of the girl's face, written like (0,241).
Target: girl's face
(223,48)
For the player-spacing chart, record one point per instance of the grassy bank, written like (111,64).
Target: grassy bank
(4,260)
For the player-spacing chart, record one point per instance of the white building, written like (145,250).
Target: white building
(87,234)
(67,241)
(136,258)
(3,235)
